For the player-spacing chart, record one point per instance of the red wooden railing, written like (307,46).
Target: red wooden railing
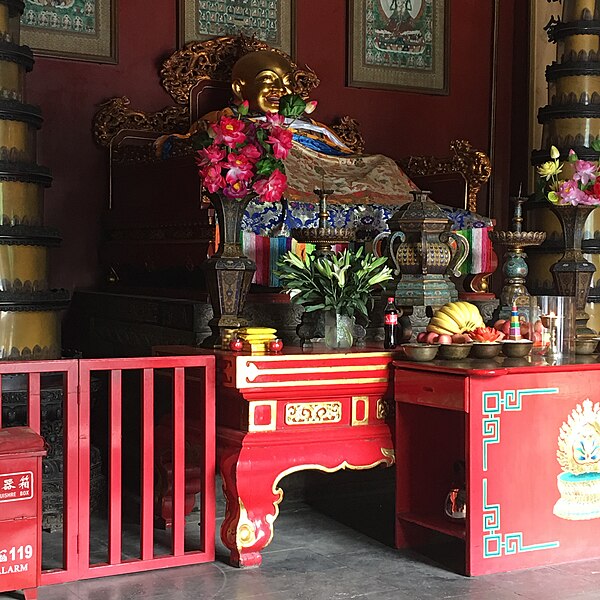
(178,375)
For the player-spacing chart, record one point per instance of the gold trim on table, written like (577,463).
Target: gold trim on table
(356,401)
(253,427)
(312,413)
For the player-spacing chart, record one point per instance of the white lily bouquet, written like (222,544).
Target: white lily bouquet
(341,282)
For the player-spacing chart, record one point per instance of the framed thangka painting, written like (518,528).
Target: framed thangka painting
(268,20)
(75,29)
(399,44)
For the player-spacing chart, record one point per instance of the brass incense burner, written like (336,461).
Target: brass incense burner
(420,248)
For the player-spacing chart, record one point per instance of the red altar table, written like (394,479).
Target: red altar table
(530,437)
(282,413)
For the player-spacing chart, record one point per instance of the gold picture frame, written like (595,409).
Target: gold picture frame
(399,44)
(71,29)
(226,17)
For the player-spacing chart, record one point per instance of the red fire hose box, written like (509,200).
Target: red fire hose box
(21,451)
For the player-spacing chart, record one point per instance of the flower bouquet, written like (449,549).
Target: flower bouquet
(582,188)
(240,157)
(572,200)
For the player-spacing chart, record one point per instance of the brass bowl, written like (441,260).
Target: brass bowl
(485,349)
(516,348)
(420,352)
(454,351)
(586,345)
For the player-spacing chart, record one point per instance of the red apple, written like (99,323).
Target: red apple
(431,338)
(460,338)
(236,344)
(421,337)
(498,324)
(444,338)
(505,329)
(276,345)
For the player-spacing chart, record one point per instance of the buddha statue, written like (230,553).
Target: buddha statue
(262,78)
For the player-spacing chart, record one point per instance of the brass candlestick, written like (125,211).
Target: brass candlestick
(515,268)
(323,236)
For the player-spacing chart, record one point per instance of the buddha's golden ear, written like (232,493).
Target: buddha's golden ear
(237,86)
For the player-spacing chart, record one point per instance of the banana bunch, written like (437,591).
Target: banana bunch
(455,317)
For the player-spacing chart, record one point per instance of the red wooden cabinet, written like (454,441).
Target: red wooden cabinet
(530,437)
(282,413)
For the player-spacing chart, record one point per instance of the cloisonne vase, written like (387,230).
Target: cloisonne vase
(572,273)
(228,273)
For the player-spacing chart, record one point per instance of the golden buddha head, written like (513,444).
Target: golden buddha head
(262,78)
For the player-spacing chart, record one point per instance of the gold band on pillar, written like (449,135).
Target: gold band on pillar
(21,203)
(29,334)
(4,19)
(23,267)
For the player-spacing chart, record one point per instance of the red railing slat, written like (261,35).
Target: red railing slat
(71,446)
(34,410)
(178,461)
(208,486)
(114,466)
(147,454)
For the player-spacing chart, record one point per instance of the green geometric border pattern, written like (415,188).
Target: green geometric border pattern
(494,541)
(509,400)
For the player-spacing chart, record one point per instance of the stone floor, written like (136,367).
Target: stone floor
(315,557)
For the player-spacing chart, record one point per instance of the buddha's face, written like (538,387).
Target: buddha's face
(262,78)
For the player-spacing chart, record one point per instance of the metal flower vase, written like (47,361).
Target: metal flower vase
(572,273)
(228,273)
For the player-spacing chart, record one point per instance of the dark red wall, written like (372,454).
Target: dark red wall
(393,122)
(69,93)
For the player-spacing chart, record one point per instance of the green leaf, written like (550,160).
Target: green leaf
(291,105)
(314,307)
(596,145)
(265,166)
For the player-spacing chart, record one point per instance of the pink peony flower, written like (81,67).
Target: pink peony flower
(212,179)
(585,172)
(212,154)
(229,131)
(271,190)
(238,189)
(239,168)
(570,193)
(275,119)
(281,140)
(251,152)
